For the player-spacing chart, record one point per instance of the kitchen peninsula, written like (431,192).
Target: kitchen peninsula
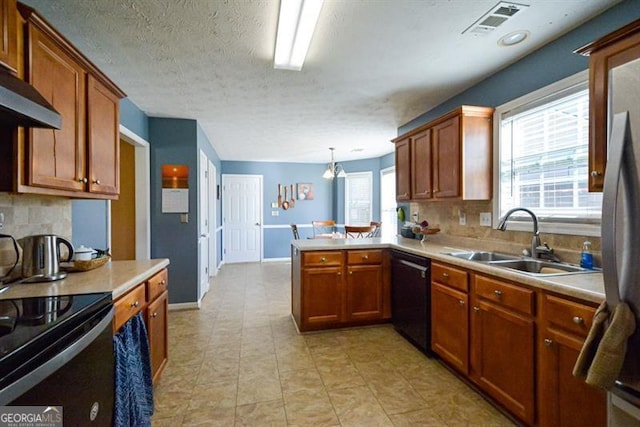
(512,335)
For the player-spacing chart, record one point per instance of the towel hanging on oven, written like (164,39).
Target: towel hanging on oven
(134,390)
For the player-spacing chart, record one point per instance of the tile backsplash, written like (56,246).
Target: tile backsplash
(26,214)
(446,216)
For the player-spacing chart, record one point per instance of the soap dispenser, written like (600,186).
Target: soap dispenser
(586,258)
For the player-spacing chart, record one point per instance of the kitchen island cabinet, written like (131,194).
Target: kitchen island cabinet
(321,296)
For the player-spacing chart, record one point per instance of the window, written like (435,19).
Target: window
(388,206)
(358,198)
(544,154)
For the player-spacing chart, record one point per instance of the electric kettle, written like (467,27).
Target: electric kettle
(41,258)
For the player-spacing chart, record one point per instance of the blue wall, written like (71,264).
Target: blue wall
(134,118)
(547,65)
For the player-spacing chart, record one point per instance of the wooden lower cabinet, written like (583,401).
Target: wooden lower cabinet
(449,320)
(564,400)
(156,318)
(150,297)
(339,288)
(322,296)
(502,344)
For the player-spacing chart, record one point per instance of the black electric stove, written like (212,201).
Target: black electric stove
(34,331)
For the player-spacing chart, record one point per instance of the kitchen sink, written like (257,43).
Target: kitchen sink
(483,256)
(531,266)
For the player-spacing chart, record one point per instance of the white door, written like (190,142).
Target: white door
(203,225)
(388,214)
(213,231)
(242,218)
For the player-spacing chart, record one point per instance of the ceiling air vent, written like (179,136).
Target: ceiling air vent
(497,16)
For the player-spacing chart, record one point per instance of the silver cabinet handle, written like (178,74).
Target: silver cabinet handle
(461,302)
(83,180)
(547,342)
(350,272)
(163,282)
(323,259)
(476,308)
(136,304)
(155,314)
(497,293)
(578,320)
(595,174)
(97,181)
(365,257)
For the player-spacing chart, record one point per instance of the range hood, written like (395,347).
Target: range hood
(22,105)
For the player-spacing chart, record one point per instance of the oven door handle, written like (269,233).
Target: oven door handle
(19,387)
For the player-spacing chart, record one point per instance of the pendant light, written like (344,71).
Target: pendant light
(334,169)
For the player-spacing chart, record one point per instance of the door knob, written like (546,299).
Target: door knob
(257,223)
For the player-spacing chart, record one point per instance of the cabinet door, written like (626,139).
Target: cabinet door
(322,296)
(56,158)
(157,330)
(8,34)
(450,326)
(565,400)
(403,170)
(446,161)
(421,165)
(364,292)
(103,139)
(502,358)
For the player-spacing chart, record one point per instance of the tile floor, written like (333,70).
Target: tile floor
(239,361)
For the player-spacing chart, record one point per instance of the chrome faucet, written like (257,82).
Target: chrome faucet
(538,250)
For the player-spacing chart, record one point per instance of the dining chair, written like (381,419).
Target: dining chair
(294,230)
(353,231)
(376,229)
(323,227)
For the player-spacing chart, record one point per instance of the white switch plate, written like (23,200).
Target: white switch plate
(463,218)
(485,219)
(275,213)
(274,205)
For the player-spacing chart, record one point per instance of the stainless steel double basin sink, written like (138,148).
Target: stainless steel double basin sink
(535,267)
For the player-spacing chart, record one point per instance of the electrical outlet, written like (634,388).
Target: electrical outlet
(275,213)
(485,219)
(463,218)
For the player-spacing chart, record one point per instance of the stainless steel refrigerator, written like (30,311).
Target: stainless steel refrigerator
(621,229)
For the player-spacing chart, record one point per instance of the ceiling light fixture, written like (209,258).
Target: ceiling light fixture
(296,23)
(334,169)
(513,38)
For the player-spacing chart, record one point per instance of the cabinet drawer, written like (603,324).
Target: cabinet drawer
(514,297)
(450,276)
(569,315)
(157,285)
(364,257)
(321,258)
(129,305)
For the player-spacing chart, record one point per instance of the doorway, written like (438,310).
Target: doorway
(129,221)
(242,218)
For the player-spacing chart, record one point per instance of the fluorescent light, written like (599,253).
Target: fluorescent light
(296,24)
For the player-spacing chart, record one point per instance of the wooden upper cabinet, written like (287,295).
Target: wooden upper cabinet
(449,158)
(421,165)
(8,34)
(103,138)
(614,65)
(446,170)
(403,170)
(56,158)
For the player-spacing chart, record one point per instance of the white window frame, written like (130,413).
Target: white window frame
(573,228)
(368,175)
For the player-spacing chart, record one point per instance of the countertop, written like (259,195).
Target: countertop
(583,286)
(116,277)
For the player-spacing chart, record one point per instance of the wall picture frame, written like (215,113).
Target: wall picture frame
(305,191)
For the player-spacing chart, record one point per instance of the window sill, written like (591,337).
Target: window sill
(573,229)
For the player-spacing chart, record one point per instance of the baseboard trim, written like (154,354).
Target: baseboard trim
(286,259)
(184,306)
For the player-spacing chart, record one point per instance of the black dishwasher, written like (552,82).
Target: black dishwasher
(411,298)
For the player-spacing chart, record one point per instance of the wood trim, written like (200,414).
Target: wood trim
(609,39)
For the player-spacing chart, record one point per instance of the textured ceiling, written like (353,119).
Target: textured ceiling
(373,65)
